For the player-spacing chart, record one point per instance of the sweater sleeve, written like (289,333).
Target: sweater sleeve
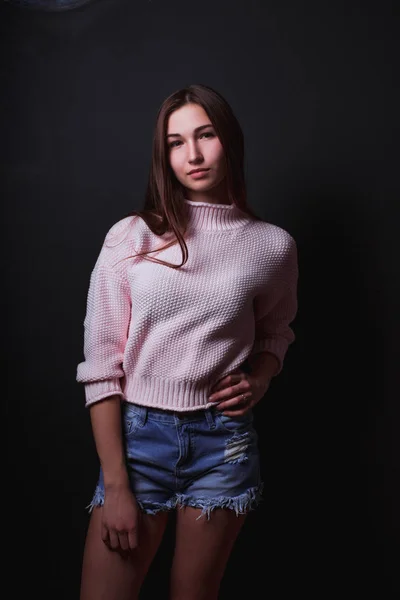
(106,327)
(276,308)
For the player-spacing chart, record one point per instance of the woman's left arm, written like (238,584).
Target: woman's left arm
(274,311)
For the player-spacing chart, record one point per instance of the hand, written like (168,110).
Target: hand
(229,391)
(120,519)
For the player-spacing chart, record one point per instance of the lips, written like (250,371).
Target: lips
(198,171)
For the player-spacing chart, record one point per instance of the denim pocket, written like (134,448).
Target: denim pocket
(238,423)
(131,419)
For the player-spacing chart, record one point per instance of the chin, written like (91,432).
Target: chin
(202,185)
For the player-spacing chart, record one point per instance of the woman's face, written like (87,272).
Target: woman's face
(190,149)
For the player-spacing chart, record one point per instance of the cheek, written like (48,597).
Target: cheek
(219,155)
(176,163)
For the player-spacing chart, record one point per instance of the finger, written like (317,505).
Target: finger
(239,402)
(114,541)
(132,538)
(123,540)
(249,404)
(220,385)
(235,376)
(227,393)
(241,410)
(104,535)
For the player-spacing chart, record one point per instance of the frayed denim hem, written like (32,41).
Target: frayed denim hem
(150,508)
(97,500)
(240,504)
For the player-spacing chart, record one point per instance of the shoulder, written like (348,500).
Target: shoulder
(273,237)
(120,230)
(119,243)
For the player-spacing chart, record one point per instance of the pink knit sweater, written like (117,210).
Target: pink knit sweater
(162,337)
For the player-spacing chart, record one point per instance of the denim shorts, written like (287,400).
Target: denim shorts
(202,459)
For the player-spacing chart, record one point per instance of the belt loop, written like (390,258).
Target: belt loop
(143,414)
(210,418)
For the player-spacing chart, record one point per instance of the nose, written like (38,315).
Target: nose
(194,153)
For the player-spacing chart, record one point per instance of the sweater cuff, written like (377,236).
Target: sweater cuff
(277,347)
(98,390)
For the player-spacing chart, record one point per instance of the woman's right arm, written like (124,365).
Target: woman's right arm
(120,510)
(106,330)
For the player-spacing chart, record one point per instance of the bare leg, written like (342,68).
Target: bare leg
(201,552)
(106,574)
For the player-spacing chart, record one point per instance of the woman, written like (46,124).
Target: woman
(177,354)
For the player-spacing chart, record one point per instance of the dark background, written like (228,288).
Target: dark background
(313,85)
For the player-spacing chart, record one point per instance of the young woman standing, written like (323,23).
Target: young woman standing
(188,319)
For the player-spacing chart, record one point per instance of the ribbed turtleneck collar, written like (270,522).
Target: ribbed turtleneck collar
(215,217)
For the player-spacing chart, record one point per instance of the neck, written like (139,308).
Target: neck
(210,216)
(218,194)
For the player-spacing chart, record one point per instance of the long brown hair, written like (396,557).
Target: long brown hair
(164,207)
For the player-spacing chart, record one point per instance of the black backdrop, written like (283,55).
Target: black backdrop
(313,86)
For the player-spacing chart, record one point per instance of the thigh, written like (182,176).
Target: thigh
(108,575)
(202,551)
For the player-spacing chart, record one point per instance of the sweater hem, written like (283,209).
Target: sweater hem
(178,395)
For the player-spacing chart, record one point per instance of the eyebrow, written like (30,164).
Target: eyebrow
(195,130)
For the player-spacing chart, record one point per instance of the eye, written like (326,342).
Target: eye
(207,133)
